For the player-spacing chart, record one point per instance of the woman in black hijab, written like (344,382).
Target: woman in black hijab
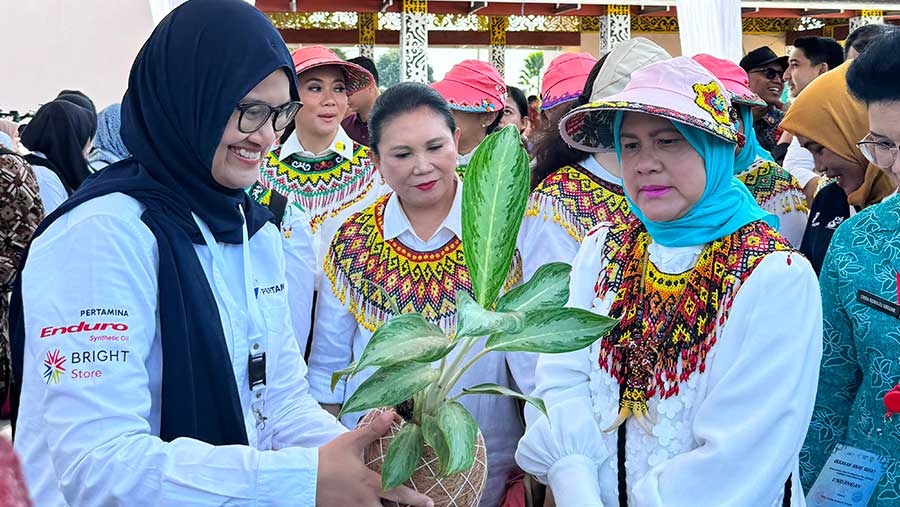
(163,371)
(61,132)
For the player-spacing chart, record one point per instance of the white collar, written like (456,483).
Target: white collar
(341,144)
(463,159)
(396,222)
(591,164)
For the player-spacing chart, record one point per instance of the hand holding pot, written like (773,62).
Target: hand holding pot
(344,479)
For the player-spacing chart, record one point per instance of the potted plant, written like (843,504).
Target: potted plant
(435,445)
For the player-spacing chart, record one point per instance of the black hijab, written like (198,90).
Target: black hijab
(200,61)
(79,99)
(60,130)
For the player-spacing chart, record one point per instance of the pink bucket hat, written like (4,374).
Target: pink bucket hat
(355,77)
(679,89)
(565,77)
(733,77)
(473,86)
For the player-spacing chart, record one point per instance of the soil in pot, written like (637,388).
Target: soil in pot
(459,490)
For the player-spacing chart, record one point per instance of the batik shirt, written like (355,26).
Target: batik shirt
(21,211)
(862,348)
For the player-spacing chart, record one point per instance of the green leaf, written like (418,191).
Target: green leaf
(389,386)
(476,321)
(460,433)
(404,338)
(548,288)
(434,437)
(499,390)
(554,332)
(494,198)
(336,376)
(402,457)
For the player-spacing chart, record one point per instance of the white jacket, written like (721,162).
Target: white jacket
(90,413)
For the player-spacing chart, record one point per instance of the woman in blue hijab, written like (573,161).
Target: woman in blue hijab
(108,145)
(153,357)
(712,368)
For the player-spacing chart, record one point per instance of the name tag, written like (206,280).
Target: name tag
(848,478)
(880,304)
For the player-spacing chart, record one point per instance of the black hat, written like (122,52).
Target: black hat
(760,57)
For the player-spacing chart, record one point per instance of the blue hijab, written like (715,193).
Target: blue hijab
(200,61)
(725,206)
(752,150)
(108,144)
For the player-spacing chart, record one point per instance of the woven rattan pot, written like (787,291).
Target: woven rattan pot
(459,490)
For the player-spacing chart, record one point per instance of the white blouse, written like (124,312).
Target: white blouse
(338,339)
(731,436)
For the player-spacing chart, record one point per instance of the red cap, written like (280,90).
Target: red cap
(355,77)
(473,86)
(733,77)
(565,77)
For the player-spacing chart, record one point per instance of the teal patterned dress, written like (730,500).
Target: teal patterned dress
(861,359)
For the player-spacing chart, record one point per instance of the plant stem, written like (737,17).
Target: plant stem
(437,391)
(455,378)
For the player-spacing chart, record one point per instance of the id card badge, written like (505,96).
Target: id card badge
(848,478)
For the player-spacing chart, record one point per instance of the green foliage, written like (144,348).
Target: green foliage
(389,69)
(402,456)
(530,77)
(340,52)
(494,197)
(498,390)
(389,386)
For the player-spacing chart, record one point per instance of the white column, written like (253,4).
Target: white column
(712,27)
(367,23)
(499,24)
(615,27)
(866,17)
(414,41)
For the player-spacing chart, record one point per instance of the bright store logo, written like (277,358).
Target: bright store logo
(53,366)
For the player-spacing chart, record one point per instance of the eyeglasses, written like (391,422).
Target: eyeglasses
(770,73)
(879,153)
(254,116)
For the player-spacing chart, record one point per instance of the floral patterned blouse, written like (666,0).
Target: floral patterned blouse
(861,359)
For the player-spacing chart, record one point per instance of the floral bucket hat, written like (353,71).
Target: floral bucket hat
(355,77)
(733,77)
(473,86)
(679,89)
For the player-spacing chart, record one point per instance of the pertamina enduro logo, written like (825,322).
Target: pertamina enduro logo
(53,366)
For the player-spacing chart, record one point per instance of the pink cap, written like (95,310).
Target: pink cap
(733,77)
(473,86)
(679,89)
(356,78)
(565,77)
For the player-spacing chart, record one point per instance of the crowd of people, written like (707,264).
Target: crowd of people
(184,272)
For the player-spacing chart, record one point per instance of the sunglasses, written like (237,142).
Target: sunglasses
(769,73)
(254,116)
